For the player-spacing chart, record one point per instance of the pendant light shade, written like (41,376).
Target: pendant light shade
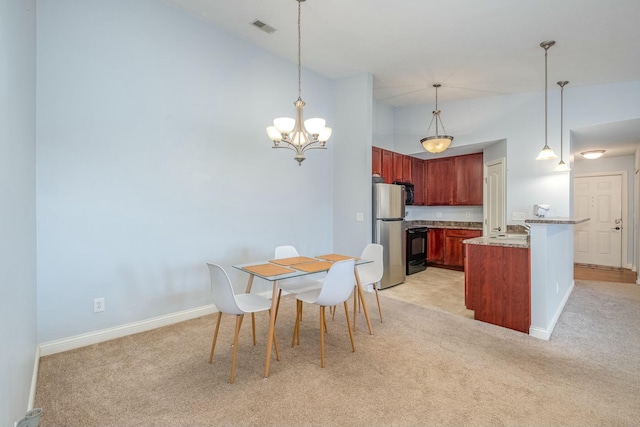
(562,166)
(546,153)
(436,143)
(298,134)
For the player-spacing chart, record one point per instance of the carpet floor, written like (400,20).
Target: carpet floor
(421,367)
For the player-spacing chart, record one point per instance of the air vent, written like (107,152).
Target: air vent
(264,27)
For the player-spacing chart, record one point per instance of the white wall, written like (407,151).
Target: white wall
(616,164)
(383,126)
(18,314)
(352,159)
(153,160)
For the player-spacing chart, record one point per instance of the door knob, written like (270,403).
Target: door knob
(616,228)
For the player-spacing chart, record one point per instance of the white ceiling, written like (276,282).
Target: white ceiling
(473,48)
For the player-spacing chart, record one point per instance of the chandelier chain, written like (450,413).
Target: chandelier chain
(299,60)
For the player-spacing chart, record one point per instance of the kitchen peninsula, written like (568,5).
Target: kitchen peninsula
(522,282)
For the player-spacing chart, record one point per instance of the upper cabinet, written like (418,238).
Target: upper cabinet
(455,181)
(451,181)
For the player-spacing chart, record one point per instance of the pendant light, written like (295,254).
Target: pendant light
(297,134)
(546,153)
(562,166)
(437,143)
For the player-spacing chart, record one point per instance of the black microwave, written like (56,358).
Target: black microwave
(408,192)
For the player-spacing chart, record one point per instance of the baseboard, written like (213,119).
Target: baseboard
(545,334)
(34,380)
(95,337)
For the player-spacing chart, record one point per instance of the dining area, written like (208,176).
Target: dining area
(326,280)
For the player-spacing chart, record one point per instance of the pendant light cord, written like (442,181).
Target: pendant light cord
(299,61)
(546,49)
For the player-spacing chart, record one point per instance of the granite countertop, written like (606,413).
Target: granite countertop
(557,220)
(462,225)
(509,240)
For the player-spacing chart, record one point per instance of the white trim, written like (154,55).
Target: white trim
(545,334)
(34,379)
(95,337)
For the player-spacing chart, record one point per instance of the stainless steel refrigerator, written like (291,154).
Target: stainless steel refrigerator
(388,230)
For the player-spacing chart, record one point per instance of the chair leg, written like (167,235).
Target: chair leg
(253,327)
(355,299)
(322,336)
(296,328)
(375,288)
(346,310)
(235,347)
(215,336)
(275,342)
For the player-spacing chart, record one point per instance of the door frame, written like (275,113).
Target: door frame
(502,161)
(624,198)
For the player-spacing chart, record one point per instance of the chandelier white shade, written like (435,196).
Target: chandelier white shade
(546,153)
(436,143)
(298,134)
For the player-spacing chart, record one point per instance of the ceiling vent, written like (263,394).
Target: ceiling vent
(264,27)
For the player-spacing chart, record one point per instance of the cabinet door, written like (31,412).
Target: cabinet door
(440,182)
(376,161)
(398,164)
(435,245)
(468,180)
(417,176)
(407,168)
(453,247)
(387,166)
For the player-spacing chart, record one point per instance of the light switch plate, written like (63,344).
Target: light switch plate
(359,216)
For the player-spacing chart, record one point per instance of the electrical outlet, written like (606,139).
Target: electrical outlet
(467,214)
(359,216)
(517,216)
(98,305)
(438,214)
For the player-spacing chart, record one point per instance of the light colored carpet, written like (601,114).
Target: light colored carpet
(422,367)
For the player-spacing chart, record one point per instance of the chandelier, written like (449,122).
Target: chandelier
(436,143)
(297,134)
(562,166)
(546,153)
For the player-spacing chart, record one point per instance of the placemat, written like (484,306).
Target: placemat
(336,257)
(293,260)
(267,269)
(314,267)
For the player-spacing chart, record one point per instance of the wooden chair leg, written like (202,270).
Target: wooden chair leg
(253,327)
(322,336)
(296,328)
(346,310)
(355,298)
(215,336)
(275,342)
(375,288)
(235,347)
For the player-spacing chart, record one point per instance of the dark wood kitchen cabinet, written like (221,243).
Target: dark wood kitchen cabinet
(417,174)
(435,246)
(498,285)
(440,182)
(455,181)
(402,168)
(468,171)
(453,247)
(376,161)
(387,166)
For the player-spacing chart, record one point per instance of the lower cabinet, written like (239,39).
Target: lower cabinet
(498,285)
(445,248)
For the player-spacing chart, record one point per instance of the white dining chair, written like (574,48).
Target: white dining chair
(295,284)
(336,288)
(371,273)
(228,302)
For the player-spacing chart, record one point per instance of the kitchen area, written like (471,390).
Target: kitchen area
(446,260)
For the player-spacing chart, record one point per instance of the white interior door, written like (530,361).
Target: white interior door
(495,220)
(599,240)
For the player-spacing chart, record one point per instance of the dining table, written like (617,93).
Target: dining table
(287,268)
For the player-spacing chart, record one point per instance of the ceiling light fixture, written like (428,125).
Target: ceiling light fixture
(546,153)
(562,166)
(299,135)
(437,143)
(593,154)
